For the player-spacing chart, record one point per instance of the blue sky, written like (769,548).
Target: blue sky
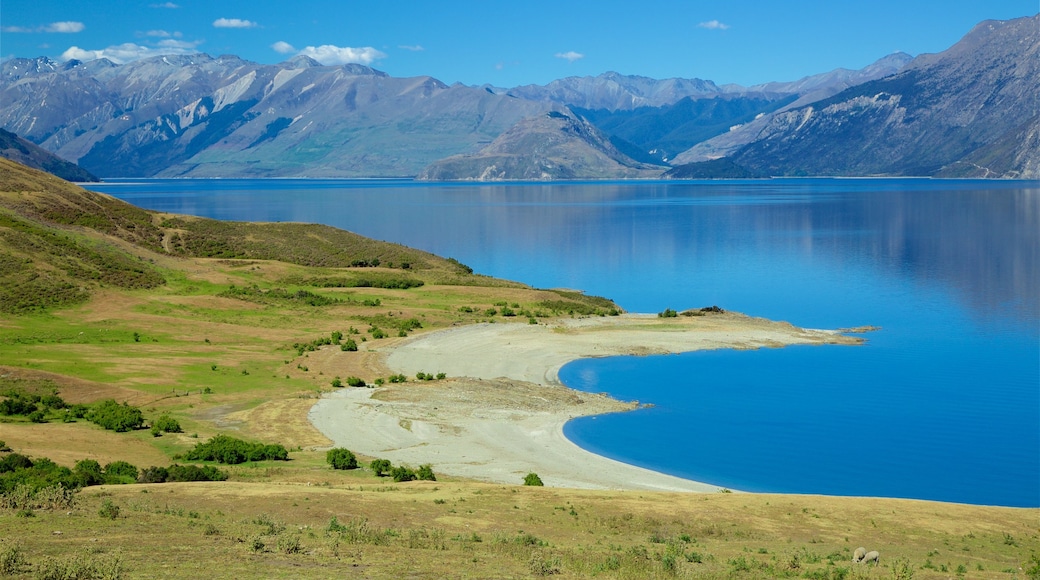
(509,43)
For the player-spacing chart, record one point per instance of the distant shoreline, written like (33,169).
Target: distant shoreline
(501,412)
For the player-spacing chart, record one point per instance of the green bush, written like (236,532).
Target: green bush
(425,473)
(177,472)
(380,466)
(88,472)
(402,473)
(340,458)
(120,472)
(167,424)
(224,449)
(115,417)
(109,510)
(349,346)
(355,382)
(667,313)
(533,479)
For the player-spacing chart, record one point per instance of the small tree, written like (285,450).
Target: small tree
(380,466)
(533,479)
(349,345)
(425,473)
(340,458)
(402,473)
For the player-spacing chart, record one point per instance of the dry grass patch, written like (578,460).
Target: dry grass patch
(67,443)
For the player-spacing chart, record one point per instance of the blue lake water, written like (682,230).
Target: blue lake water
(942,403)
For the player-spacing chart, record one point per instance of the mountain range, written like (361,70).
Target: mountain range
(968,111)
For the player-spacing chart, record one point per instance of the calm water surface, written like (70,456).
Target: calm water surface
(942,403)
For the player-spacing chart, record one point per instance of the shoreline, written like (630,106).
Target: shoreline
(500,413)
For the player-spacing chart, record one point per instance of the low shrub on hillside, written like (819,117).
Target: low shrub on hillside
(115,417)
(224,449)
(340,458)
(177,472)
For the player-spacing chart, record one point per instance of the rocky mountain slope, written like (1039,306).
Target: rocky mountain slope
(554,145)
(971,110)
(202,116)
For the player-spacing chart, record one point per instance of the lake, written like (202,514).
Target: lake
(943,402)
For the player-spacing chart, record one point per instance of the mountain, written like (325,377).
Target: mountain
(807,90)
(29,154)
(613,91)
(201,116)
(968,111)
(554,145)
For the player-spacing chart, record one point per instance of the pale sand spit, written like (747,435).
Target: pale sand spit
(501,413)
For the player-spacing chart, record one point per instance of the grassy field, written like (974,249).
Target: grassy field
(119,303)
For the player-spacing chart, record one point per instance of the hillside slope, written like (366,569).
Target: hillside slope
(59,244)
(29,154)
(556,145)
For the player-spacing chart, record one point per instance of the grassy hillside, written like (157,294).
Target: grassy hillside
(243,345)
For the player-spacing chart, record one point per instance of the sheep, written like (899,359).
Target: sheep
(858,555)
(872,556)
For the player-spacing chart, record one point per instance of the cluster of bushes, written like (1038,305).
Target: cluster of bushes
(114,416)
(383,468)
(277,295)
(426,376)
(398,378)
(165,424)
(336,337)
(35,407)
(19,472)
(577,303)
(224,449)
(351,382)
(340,458)
(367,280)
(667,313)
(177,472)
(403,325)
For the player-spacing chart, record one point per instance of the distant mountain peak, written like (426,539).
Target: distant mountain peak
(299,61)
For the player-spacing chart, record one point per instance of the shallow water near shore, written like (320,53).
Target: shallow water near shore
(942,403)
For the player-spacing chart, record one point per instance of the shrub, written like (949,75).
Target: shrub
(355,382)
(533,479)
(224,449)
(425,473)
(109,510)
(349,346)
(399,378)
(120,472)
(195,473)
(167,424)
(115,417)
(337,383)
(667,313)
(153,475)
(380,466)
(402,473)
(340,458)
(88,472)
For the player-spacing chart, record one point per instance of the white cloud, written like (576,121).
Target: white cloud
(570,56)
(165,5)
(328,54)
(162,34)
(129,51)
(234,23)
(283,47)
(66,27)
(713,25)
(411,47)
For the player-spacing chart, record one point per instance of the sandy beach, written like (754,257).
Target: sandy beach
(500,413)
